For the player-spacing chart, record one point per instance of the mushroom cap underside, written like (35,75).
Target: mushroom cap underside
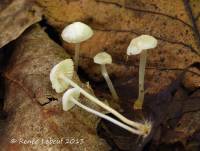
(64,68)
(66,102)
(143,42)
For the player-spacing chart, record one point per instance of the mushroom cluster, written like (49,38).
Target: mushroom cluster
(70,98)
(61,77)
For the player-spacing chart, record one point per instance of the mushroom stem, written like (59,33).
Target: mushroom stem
(120,124)
(109,82)
(76,56)
(137,125)
(143,59)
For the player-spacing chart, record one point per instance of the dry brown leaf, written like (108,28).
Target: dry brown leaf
(34,109)
(191,80)
(187,116)
(190,120)
(175,25)
(15,17)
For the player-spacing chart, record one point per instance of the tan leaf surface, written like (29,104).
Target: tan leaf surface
(15,17)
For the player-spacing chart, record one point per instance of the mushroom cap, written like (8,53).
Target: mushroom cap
(66,68)
(103,58)
(141,43)
(76,32)
(66,102)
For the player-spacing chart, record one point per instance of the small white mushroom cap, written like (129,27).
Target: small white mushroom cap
(103,58)
(76,32)
(66,68)
(66,102)
(141,43)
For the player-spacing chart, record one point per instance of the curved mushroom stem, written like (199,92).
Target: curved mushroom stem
(109,82)
(120,124)
(143,59)
(137,125)
(76,56)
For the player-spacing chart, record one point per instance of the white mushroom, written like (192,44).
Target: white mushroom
(76,33)
(67,102)
(59,79)
(66,68)
(104,58)
(70,98)
(140,45)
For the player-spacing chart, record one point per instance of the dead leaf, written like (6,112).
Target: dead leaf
(176,26)
(15,17)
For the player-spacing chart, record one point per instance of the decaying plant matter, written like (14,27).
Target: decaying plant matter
(172,81)
(15,19)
